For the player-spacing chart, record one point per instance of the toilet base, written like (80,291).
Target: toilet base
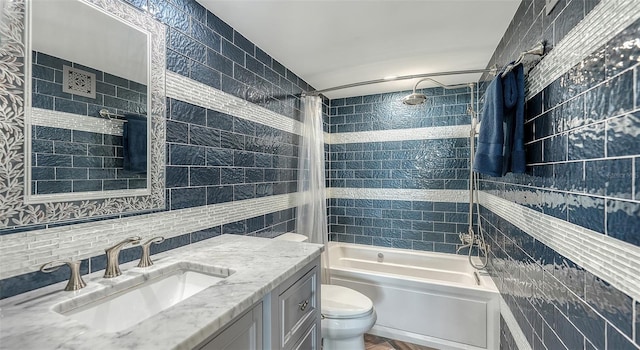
(346,334)
(355,343)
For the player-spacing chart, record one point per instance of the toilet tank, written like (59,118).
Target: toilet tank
(292,236)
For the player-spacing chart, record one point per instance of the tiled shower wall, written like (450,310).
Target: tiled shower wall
(427,151)
(214,159)
(582,168)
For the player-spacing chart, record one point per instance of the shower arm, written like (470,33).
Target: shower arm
(448,87)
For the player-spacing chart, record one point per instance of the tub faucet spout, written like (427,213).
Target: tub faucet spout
(113,267)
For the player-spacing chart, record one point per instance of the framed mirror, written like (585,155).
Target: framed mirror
(86,120)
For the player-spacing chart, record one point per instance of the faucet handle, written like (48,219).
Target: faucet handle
(145,259)
(75,280)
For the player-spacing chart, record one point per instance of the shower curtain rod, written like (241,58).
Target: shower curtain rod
(492,70)
(537,49)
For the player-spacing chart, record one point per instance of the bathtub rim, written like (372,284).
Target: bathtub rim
(486,282)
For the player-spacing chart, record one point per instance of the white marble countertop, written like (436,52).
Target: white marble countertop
(27,321)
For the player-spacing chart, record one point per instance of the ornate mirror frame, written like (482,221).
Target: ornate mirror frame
(14,210)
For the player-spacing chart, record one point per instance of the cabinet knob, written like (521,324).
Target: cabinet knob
(303,305)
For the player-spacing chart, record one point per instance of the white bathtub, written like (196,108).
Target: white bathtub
(431,299)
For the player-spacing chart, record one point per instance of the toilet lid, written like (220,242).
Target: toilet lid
(341,302)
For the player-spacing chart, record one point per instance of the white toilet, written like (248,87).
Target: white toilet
(346,313)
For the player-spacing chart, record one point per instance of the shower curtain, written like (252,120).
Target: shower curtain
(311,216)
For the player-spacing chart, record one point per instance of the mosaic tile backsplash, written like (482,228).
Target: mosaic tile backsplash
(582,163)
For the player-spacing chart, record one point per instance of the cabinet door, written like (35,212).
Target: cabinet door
(298,308)
(243,334)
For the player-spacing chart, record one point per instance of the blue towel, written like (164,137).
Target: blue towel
(134,143)
(501,138)
(514,103)
(488,158)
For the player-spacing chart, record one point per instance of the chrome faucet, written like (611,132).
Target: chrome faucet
(75,280)
(113,268)
(145,259)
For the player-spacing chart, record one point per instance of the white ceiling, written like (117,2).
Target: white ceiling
(332,42)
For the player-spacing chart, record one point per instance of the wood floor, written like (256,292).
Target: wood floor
(373,342)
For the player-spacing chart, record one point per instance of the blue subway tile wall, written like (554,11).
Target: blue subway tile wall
(418,164)
(553,298)
(78,161)
(116,94)
(434,164)
(211,157)
(208,50)
(582,159)
(214,158)
(386,111)
(506,338)
(418,225)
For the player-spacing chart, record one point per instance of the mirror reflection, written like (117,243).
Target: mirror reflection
(89,101)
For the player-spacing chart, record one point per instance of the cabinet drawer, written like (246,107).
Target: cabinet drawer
(298,305)
(309,341)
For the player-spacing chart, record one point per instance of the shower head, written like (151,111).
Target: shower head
(414,99)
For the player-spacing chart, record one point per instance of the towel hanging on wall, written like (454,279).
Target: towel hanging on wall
(501,136)
(515,112)
(134,143)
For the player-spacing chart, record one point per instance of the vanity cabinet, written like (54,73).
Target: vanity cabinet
(298,305)
(245,333)
(288,318)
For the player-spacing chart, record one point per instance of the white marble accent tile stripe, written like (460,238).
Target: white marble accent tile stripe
(327,138)
(514,328)
(191,91)
(55,119)
(431,133)
(25,251)
(613,260)
(606,20)
(451,196)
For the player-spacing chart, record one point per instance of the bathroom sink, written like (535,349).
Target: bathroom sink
(131,302)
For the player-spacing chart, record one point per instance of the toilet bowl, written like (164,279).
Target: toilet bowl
(346,313)
(346,316)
